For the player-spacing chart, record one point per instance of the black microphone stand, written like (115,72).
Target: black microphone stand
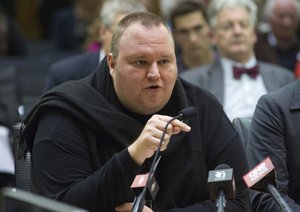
(140,201)
(221,201)
(278,199)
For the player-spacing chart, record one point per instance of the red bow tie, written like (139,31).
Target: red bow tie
(252,72)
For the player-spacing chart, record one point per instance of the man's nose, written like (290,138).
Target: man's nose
(237,28)
(193,36)
(153,72)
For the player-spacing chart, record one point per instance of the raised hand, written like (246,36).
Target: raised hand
(148,141)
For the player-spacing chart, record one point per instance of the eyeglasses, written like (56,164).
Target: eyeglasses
(198,30)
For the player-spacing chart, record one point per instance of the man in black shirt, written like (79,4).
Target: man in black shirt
(90,138)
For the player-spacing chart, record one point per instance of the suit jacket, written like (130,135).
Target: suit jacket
(211,77)
(275,132)
(73,68)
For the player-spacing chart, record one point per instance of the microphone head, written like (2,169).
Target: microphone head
(221,179)
(140,181)
(188,112)
(258,178)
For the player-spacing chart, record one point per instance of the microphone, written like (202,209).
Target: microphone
(221,186)
(263,178)
(147,181)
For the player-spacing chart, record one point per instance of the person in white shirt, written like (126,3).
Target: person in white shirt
(237,79)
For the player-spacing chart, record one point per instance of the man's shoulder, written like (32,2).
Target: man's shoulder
(76,61)
(195,92)
(72,68)
(286,91)
(197,70)
(196,73)
(276,69)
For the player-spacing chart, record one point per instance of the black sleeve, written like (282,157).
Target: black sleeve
(222,145)
(62,167)
(225,147)
(267,138)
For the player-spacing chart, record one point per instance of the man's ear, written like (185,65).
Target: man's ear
(111,63)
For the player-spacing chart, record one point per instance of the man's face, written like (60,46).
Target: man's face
(284,19)
(234,34)
(192,34)
(145,71)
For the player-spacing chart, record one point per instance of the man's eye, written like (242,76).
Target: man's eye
(183,31)
(245,24)
(198,29)
(140,62)
(162,62)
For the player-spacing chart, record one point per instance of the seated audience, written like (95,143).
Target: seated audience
(90,138)
(237,79)
(281,45)
(275,133)
(69,24)
(92,42)
(79,66)
(192,35)
(12,41)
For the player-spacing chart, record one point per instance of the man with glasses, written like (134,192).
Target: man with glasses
(192,35)
(237,79)
(280,45)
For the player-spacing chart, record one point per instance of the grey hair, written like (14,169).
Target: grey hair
(217,5)
(112,8)
(270,4)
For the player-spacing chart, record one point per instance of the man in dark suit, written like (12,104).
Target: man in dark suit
(237,79)
(73,68)
(79,66)
(275,132)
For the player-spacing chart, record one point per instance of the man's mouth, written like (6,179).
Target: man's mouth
(153,87)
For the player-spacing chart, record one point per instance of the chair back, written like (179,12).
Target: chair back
(22,165)
(242,126)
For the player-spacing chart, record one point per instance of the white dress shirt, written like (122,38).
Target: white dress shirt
(241,95)
(101,54)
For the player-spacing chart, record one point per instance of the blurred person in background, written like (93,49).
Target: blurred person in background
(12,41)
(191,31)
(79,66)
(281,45)
(237,79)
(69,24)
(153,6)
(92,42)
(45,11)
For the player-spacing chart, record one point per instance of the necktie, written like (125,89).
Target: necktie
(252,72)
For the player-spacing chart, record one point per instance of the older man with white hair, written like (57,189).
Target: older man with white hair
(237,79)
(281,44)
